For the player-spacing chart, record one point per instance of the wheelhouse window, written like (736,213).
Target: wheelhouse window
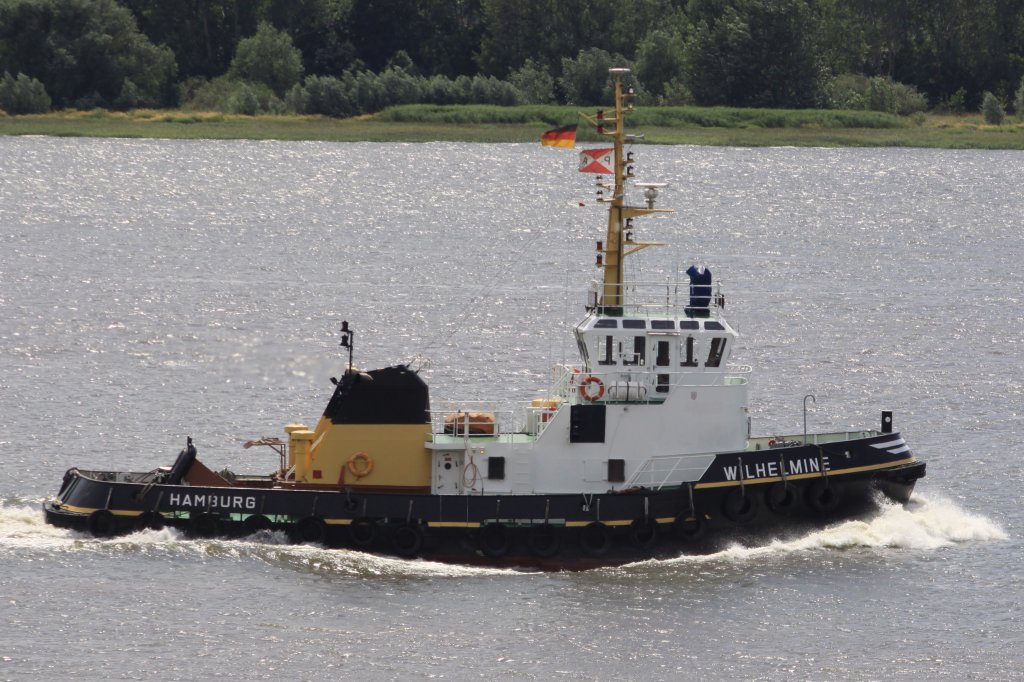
(716,352)
(689,324)
(689,353)
(663,324)
(714,325)
(663,360)
(639,352)
(605,346)
(606,324)
(634,324)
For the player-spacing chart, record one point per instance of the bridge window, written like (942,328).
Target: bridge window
(662,359)
(689,324)
(714,325)
(605,343)
(634,324)
(715,355)
(663,324)
(606,324)
(639,351)
(691,359)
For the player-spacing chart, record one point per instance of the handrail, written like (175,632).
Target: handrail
(569,377)
(660,298)
(650,476)
(530,419)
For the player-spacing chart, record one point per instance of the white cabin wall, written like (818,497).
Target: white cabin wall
(716,421)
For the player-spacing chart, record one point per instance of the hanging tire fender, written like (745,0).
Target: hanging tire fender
(204,525)
(690,528)
(256,523)
(822,497)
(101,523)
(544,540)
(363,532)
(643,533)
(495,540)
(739,506)
(149,521)
(311,529)
(407,540)
(596,538)
(782,497)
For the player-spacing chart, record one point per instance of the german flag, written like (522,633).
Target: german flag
(560,137)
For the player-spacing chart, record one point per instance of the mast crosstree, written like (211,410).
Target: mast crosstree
(619,241)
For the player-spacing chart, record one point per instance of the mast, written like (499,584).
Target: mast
(619,241)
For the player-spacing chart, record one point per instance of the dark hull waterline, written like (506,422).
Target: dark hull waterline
(533,531)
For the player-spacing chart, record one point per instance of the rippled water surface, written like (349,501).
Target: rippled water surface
(151,290)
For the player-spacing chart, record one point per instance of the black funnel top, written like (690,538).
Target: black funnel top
(392,395)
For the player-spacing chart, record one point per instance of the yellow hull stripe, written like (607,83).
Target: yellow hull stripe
(89,510)
(813,474)
(347,522)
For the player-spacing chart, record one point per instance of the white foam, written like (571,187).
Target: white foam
(23,527)
(925,523)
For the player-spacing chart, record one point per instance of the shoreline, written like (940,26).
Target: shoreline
(931,131)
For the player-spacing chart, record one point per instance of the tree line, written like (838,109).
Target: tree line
(347,57)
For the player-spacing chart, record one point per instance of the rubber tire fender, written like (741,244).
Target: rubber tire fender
(204,525)
(312,530)
(782,497)
(407,540)
(643,533)
(363,532)
(596,538)
(255,524)
(544,540)
(822,497)
(495,540)
(101,523)
(739,506)
(690,528)
(149,521)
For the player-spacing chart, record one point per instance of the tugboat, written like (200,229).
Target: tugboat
(641,450)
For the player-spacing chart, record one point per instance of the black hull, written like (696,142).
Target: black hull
(558,531)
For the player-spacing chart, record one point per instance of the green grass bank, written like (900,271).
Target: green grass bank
(478,123)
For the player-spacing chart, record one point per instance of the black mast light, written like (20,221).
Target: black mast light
(347,338)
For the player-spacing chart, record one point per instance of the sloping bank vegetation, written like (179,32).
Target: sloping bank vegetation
(792,71)
(485,123)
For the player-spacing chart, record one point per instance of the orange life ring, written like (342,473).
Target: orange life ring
(360,465)
(587,395)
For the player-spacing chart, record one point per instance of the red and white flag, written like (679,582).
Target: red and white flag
(597,161)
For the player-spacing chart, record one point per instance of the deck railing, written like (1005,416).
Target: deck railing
(617,382)
(658,299)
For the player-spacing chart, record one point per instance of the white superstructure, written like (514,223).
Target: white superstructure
(653,389)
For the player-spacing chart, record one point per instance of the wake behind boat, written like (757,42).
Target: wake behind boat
(641,449)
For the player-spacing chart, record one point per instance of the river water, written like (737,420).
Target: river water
(152,290)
